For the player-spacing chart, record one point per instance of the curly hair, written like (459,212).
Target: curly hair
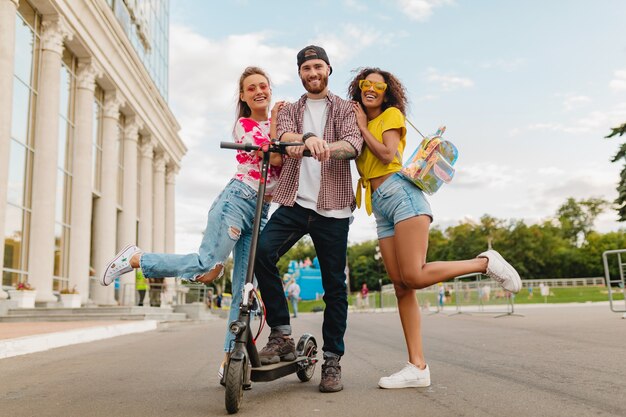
(243,110)
(395,94)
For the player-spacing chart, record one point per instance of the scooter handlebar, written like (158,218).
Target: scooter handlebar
(277,147)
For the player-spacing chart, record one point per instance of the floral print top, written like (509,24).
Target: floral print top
(249,164)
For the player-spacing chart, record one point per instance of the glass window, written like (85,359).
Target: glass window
(97,139)
(13,226)
(60,197)
(58,245)
(24,39)
(12,278)
(17,174)
(20,112)
(65,92)
(62,139)
(120,159)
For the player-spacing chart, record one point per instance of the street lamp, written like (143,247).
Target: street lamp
(378,257)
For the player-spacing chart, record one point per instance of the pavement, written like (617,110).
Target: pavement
(30,337)
(564,360)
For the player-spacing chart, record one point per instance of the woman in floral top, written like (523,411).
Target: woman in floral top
(230,218)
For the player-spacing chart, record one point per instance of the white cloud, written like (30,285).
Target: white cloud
(486,176)
(355,5)
(448,82)
(572,101)
(343,45)
(421,10)
(618,83)
(594,121)
(507,65)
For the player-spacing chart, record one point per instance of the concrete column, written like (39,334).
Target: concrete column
(105,207)
(158,207)
(158,238)
(145,194)
(41,250)
(170,222)
(127,227)
(7,54)
(170,215)
(81,199)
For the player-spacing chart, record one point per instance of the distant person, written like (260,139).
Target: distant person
(155,289)
(403,215)
(466,293)
(442,296)
(293,294)
(530,291)
(141,286)
(487,293)
(365,293)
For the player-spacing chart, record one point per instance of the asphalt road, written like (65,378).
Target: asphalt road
(566,361)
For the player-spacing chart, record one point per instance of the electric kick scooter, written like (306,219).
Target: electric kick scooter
(244,365)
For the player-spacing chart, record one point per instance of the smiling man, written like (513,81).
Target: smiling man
(316,198)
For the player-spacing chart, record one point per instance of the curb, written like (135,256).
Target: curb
(43,342)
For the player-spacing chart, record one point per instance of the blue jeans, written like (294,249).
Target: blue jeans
(330,238)
(228,229)
(294,305)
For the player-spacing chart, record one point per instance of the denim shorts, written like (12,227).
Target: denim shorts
(395,200)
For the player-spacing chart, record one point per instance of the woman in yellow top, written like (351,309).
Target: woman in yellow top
(403,215)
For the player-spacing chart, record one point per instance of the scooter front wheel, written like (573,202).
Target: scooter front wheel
(310,350)
(235,375)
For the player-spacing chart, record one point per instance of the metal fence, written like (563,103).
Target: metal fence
(162,294)
(477,293)
(467,294)
(614,276)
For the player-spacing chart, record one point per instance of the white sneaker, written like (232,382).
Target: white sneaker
(502,271)
(410,376)
(119,266)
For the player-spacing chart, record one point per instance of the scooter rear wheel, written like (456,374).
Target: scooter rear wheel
(235,375)
(310,350)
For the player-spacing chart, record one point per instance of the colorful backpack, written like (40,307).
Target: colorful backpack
(431,164)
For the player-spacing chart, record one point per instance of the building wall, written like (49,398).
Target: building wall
(83,131)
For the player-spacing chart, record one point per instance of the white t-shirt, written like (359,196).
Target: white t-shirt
(314,120)
(293,290)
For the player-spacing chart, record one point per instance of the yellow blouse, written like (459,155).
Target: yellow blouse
(368,164)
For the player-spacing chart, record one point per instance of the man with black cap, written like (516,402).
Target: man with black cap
(316,198)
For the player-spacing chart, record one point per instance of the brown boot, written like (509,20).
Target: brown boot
(278,348)
(331,375)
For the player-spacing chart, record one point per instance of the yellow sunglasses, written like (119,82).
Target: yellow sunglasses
(365,85)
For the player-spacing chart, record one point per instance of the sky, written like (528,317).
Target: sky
(527,91)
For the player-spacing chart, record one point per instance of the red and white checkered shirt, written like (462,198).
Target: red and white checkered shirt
(336,190)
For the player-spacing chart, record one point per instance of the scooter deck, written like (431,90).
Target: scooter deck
(274,371)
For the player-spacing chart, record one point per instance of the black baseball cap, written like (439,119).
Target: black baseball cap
(313,52)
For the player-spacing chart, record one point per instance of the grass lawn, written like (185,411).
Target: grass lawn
(557,295)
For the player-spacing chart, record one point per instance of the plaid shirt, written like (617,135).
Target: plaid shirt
(336,190)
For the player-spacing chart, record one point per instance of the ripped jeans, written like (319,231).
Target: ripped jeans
(228,229)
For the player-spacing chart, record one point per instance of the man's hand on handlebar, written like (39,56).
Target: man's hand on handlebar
(295,151)
(319,148)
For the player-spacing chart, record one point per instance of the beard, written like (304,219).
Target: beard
(315,90)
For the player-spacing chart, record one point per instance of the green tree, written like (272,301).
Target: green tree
(621,186)
(577,217)
(301,250)
(364,267)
